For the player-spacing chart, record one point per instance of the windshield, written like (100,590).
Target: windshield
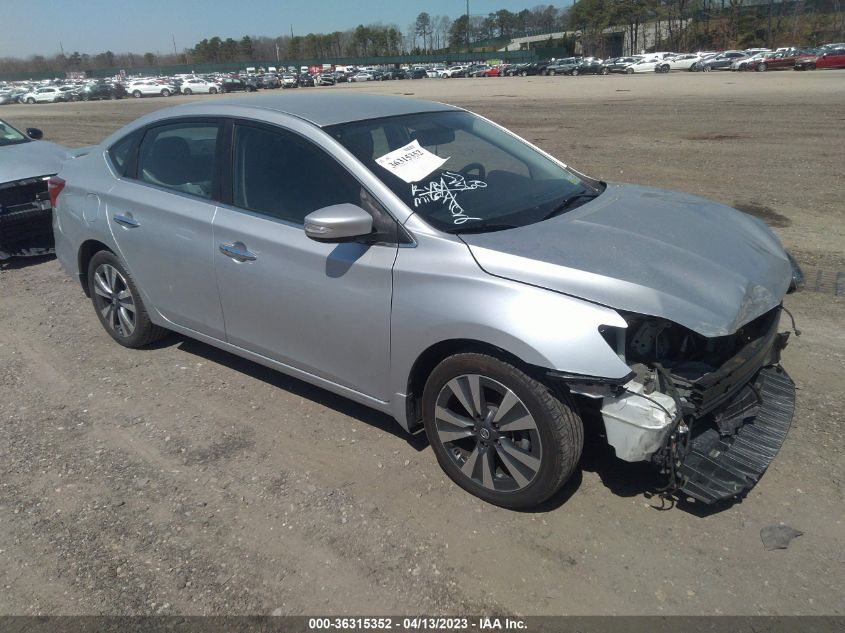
(10,136)
(461,173)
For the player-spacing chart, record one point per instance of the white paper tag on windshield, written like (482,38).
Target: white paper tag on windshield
(412,162)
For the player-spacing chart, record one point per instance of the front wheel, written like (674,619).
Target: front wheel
(629,71)
(118,302)
(136,94)
(30,101)
(575,72)
(212,91)
(498,433)
(605,71)
(761,68)
(187,91)
(165,93)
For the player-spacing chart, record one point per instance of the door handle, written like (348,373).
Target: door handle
(127,221)
(238,252)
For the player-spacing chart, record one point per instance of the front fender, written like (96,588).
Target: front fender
(441,294)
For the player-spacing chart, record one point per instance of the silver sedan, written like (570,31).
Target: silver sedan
(428,263)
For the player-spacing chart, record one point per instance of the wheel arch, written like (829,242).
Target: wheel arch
(438,352)
(87,250)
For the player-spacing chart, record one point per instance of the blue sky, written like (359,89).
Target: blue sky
(92,26)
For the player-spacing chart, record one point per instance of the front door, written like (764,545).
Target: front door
(321,308)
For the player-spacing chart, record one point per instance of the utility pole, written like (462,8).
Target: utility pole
(467,26)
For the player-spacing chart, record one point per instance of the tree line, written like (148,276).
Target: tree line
(677,25)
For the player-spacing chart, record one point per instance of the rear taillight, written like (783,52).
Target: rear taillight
(54,188)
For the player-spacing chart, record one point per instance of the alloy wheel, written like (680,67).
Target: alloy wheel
(114,300)
(488,433)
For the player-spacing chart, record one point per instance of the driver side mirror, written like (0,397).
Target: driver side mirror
(34,133)
(338,223)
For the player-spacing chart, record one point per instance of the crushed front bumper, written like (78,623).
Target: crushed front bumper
(722,465)
(26,218)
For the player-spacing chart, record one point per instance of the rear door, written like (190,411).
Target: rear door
(321,308)
(161,218)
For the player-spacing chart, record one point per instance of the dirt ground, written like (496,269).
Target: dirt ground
(180,479)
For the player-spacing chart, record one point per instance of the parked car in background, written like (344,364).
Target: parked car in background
(236,84)
(47,94)
(535,300)
(197,85)
(26,164)
(270,82)
(829,58)
(722,61)
(70,93)
(150,88)
(306,81)
(289,80)
(361,76)
(588,66)
(562,66)
(618,64)
(455,71)
(324,79)
(643,66)
(741,64)
(679,62)
(11,95)
(781,60)
(102,90)
(416,73)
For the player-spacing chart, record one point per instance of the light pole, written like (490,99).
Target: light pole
(467,26)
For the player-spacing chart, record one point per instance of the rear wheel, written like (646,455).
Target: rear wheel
(136,94)
(605,71)
(761,68)
(187,91)
(499,433)
(165,93)
(212,91)
(30,101)
(575,72)
(524,73)
(629,71)
(118,302)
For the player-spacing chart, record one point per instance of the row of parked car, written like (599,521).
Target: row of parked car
(760,60)
(65,90)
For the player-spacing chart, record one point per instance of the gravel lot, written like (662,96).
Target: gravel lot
(181,479)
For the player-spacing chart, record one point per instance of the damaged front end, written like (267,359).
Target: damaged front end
(26,218)
(710,412)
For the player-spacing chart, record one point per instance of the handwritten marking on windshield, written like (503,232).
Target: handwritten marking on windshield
(446,189)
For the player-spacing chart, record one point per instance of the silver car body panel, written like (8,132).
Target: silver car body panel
(355,319)
(662,253)
(30,159)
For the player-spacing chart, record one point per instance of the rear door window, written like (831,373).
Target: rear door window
(180,157)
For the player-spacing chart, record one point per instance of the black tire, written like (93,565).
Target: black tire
(524,73)
(629,71)
(605,71)
(575,72)
(557,435)
(761,67)
(551,73)
(30,101)
(212,91)
(137,94)
(187,91)
(165,93)
(144,331)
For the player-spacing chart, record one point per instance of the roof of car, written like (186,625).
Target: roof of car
(329,109)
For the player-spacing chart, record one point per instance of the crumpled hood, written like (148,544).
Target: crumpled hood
(25,160)
(651,251)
